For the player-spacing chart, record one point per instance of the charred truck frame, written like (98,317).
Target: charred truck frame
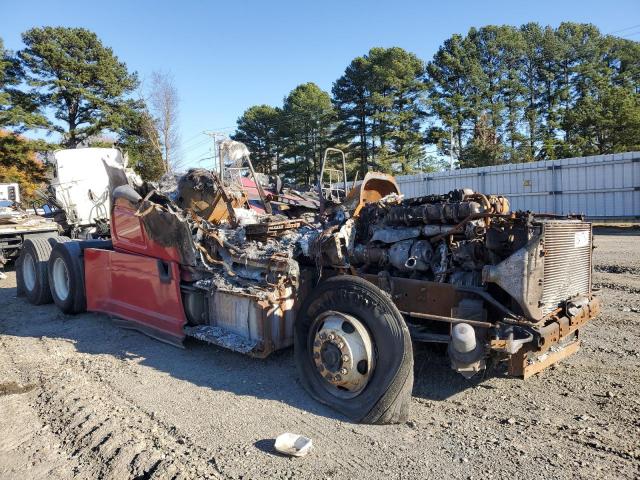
(350,287)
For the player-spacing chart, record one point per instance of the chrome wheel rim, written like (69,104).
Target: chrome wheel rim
(60,278)
(29,272)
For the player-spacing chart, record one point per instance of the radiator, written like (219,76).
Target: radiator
(567,262)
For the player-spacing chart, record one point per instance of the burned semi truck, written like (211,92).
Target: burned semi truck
(351,288)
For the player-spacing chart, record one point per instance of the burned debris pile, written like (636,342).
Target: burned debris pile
(246,266)
(238,262)
(447,238)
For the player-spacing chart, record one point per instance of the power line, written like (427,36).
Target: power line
(630,35)
(624,29)
(196,146)
(197,135)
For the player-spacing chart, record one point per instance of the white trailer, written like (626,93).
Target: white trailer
(605,188)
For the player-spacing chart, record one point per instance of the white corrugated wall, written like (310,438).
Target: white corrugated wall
(600,186)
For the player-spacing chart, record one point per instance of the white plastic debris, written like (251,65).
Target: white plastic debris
(246,217)
(293,444)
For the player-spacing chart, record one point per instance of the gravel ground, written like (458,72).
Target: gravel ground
(81,398)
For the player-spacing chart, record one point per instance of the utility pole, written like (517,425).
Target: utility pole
(217,158)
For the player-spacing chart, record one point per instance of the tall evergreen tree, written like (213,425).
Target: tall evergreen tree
(352,99)
(379,104)
(18,109)
(452,97)
(507,94)
(79,78)
(308,121)
(498,94)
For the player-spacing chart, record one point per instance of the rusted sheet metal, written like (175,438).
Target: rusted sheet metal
(418,296)
(224,204)
(272,228)
(374,186)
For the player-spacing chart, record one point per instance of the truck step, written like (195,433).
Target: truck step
(222,338)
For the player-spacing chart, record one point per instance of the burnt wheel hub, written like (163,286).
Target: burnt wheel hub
(343,352)
(331,356)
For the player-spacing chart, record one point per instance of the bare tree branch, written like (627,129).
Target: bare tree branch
(164,106)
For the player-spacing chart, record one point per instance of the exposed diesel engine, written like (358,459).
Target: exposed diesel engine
(465,270)
(443,238)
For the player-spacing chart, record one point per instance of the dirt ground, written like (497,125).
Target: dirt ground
(81,398)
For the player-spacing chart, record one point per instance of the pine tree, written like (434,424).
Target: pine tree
(18,109)
(260,129)
(79,78)
(308,120)
(379,100)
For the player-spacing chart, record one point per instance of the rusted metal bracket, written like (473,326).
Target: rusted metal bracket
(271,229)
(521,366)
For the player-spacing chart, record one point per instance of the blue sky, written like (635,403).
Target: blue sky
(227,56)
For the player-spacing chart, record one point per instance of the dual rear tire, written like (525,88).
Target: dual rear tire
(32,279)
(66,278)
(51,269)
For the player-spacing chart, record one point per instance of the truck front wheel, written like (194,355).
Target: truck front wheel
(31,271)
(353,351)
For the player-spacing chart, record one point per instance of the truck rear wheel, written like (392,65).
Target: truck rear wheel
(58,239)
(353,351)
(31,271)
(66,277)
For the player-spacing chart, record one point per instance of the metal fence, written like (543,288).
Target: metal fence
(600,186)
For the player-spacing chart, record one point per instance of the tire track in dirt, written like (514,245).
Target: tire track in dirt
(299,421)
(102,430)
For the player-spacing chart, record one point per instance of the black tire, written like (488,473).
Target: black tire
(67,257)
(19,282)
(387,396)
(34,257)
(58,239)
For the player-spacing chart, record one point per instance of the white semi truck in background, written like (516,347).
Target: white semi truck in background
(76,200)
